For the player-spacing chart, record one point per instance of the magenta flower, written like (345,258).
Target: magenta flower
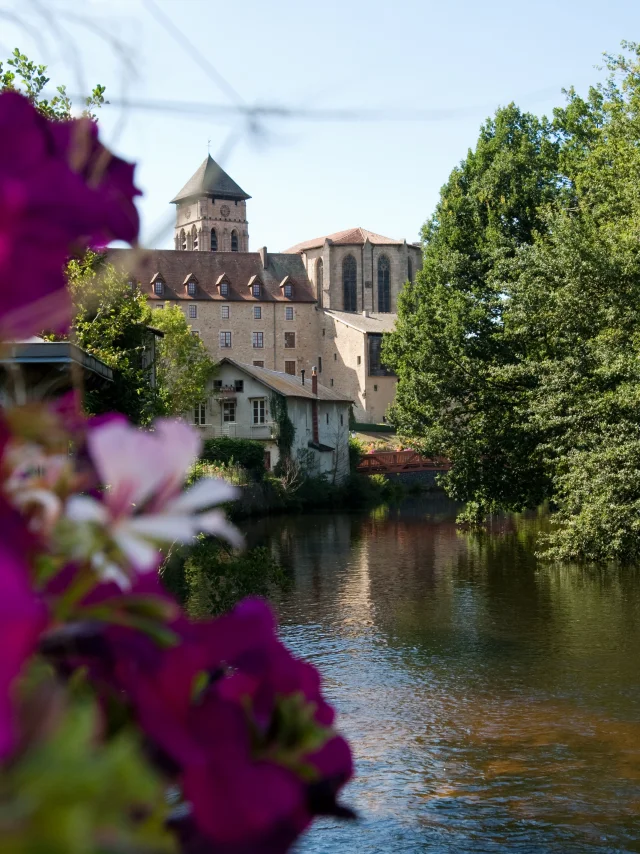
(251,744)
(22,619)
(60,190)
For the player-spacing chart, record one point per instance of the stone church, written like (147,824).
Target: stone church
(322,303)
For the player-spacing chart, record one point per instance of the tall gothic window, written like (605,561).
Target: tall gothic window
(319,280)
(183,239)
(214,240)
(194,237)
(409,270)
(234,241)
(349,290)
(384,286)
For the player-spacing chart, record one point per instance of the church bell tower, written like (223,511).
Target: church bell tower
(211,212)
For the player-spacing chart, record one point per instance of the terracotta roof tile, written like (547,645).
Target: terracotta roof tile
(211,268)
(349,237)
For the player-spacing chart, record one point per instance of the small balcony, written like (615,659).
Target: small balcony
(225,392)
(235,430)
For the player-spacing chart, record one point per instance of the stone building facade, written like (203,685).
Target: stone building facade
(324,303)
(357,270)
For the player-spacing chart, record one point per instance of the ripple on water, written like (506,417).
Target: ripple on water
(493,705)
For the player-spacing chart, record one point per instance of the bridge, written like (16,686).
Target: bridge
(399,462)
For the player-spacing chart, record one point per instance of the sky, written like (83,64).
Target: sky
(433,70)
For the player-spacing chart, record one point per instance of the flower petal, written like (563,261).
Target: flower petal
(204,493)
(82,508)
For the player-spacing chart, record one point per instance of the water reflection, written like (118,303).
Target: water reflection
(493,703)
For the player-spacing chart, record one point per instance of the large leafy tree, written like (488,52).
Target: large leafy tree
(184,366)
(449,350)
(111,322)
(518,348)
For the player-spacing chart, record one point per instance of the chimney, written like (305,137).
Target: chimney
(264,257)
(365,313)
(302,375)
(314,406)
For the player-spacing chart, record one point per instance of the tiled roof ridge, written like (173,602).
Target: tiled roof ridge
(356,236)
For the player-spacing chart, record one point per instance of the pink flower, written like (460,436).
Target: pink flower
(22,618)
(143,506)
(60,190)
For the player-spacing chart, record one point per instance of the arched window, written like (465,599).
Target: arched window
(319,281)
(214,240)
(183,240)
(384,286)
(194,238)
(409,269)
(234,241)
(349,290)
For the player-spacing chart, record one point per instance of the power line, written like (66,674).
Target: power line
(178,36)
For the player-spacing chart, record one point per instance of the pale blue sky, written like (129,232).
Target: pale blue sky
(310,177)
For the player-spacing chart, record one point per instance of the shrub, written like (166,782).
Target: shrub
(244,452)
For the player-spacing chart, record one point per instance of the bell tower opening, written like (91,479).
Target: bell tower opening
(211,211)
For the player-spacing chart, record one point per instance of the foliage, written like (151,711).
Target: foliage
(183,365)
(69,791)
(356,450)
(286,431)
(111,323)
(517,349)
(247,453)
(211,578)
(23,75)
(231,472)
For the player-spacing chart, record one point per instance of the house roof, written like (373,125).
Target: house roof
(211,268)
(289,385)
(349,237)
(210,179)
(36,351)
(373,322)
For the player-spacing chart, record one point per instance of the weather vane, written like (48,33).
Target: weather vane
(208,146)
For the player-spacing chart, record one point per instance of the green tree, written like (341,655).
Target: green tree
(449,349)
(111,322)
(518,349)
(19,73)
(184,366)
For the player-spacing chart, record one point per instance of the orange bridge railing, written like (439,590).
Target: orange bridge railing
(393,462)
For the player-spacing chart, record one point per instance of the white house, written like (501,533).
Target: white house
(248,402)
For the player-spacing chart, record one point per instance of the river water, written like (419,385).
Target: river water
(493,703)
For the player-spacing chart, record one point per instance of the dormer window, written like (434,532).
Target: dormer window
(255,290)
(191,288)
(288,291)
(224,289)
(158,287)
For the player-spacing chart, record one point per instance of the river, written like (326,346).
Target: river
(493,702)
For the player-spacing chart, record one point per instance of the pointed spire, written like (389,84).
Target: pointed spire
(210,179)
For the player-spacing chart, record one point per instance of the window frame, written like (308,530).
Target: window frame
(295,367)
(224,289)
(158,287)
(349,283)
(191,288)
(225,346)
(288,336)
(200,414)
(288,291)
(384,284)
(256,290)
(193,312)
(259,411)
(225,308)
(229,407)
(288,313)
(235,238)
(257,340)
(257,312)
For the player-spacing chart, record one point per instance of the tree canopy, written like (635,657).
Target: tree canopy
(518,347)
